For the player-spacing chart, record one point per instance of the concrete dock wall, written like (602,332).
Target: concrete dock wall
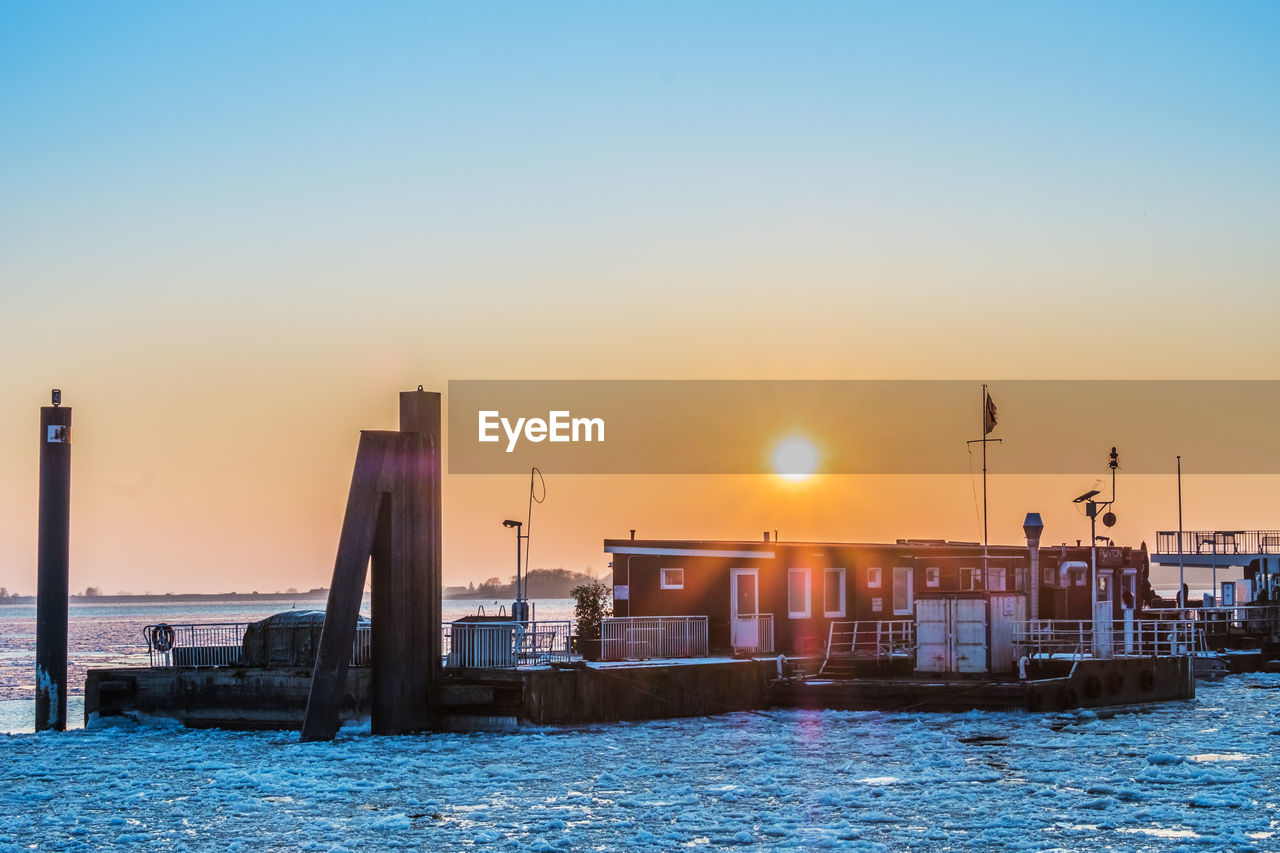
(225,697)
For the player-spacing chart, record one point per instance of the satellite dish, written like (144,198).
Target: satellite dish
(1109,519)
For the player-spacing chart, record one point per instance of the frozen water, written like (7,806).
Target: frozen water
(1200,775)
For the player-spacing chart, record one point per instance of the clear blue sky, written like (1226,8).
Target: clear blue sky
(301,208)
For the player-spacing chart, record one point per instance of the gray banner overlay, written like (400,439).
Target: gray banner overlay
(862,426)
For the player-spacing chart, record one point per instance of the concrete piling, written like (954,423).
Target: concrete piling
(52,566)
(393,519)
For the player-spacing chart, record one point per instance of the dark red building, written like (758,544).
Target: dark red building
(791,592)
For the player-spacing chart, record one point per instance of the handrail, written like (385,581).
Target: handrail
(643,637)
(752,633)
(505,645)
(1078,638)
(1229,542)
(205,644)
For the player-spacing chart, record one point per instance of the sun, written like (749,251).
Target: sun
(795,458)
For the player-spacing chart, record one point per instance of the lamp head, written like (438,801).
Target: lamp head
(510,523)
(1089,495)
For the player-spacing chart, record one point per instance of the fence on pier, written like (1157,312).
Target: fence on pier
(506,645)
(1042,639)
(645,637)
(222,643)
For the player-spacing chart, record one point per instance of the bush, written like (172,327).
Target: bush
(592,603)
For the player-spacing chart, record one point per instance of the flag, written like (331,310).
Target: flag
(989,417)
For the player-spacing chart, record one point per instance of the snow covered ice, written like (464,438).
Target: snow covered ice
(1199,775)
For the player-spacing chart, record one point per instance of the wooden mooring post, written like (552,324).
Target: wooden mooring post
(52,565)
(393,517)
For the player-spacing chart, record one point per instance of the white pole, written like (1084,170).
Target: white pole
(1093,570)
(1182,584)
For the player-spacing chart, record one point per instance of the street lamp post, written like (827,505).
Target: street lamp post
(519,609)
(1091,508)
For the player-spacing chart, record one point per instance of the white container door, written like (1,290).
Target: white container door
(970,634)
(1006,612)
(934,652)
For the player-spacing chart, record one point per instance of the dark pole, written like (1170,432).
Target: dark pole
(1182,599)
(519,587)
(51,582)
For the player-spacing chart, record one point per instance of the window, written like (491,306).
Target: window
(1051,575)
(833,593)
(798,593)
(996,579)
(901,591)
(1077,577)
(672,579)
(970,579)
(933,576)
(873,578)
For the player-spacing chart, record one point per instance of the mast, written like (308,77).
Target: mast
(987,421)
(1182,597)
(982,415)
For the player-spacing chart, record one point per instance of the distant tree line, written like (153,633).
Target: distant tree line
(539,583)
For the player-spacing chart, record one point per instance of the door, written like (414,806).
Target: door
(902,591)
(744,608)
(970,624)
(1006,613)
(951,635)
(933,651)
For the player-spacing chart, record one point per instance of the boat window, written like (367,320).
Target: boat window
(798,593)
(833,593)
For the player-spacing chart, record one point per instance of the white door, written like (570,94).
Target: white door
(933,649)
(951,635)
(744,608)
(970,627)
(902,605)
(1006,613)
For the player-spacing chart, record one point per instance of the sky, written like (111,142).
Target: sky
(232,232)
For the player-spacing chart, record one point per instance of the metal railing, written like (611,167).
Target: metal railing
(752,633)
(505,645)
(643,637)
(878,640)
(222,644)
(1219,542)
(1214,621)
(1077,639)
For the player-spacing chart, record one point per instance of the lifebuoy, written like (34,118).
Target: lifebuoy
(1093,687)
(1147,680)
(1115,681)
(162,638)
(1070,698)
(1035,699)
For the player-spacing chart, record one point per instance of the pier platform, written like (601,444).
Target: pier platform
(581,693)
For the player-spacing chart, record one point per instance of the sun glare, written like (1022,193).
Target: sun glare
(795,459)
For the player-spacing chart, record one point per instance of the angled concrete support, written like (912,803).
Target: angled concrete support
(393,519)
